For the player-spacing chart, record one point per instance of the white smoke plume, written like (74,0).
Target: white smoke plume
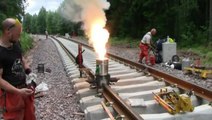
(86,11)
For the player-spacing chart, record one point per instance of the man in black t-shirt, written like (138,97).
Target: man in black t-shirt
(15,98)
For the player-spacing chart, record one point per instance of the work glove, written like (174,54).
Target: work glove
(31,80)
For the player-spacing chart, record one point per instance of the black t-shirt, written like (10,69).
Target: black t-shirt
(12,64)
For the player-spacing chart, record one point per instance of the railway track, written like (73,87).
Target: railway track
(132,96)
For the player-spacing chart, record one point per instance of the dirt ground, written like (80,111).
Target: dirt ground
(134,53)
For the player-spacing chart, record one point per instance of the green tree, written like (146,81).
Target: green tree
(184,20)
(11,8)
(41,21)
(27,21)
(50,22)
(210,24)
(33,25)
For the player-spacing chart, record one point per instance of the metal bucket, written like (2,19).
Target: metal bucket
(40,68)
(186,63)
(102,67)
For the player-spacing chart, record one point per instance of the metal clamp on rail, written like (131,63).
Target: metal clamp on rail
(101,73)
(100,77)
(173,102)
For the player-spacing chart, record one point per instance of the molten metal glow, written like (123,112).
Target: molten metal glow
(99,38)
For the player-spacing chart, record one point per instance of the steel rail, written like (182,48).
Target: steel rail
(119,105)
(70,55)
(183,84)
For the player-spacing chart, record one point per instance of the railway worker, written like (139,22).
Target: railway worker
(145,45)
(16,99)
(47,34)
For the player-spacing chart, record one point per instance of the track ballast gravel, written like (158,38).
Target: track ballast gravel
(59,102)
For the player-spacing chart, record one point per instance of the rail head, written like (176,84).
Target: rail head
(119,105)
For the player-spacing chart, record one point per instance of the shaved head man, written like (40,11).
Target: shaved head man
(153,31)
(11,29)
(145,45)
(16,99)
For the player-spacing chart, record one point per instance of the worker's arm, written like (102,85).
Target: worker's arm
(26,66)
(25,63)
(152,44)
(9,88)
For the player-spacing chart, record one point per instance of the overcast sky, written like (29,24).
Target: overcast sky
(35,5)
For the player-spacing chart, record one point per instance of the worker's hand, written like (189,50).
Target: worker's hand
(25,91)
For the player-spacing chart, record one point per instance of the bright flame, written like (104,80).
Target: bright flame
(99,38)
(92,14)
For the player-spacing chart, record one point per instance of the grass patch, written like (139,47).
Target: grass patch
(208,58)
(125,42)
(26,42)
(204,53)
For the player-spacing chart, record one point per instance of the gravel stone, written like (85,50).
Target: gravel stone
(59,102)
(133,55)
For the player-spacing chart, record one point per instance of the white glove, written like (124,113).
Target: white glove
(31,77)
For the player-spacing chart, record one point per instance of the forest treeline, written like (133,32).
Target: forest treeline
(187,21)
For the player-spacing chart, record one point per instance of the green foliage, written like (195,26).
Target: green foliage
(41,21)
(124,42)
(53,22)
(33,25)
(30,23)
(184,20)
(209,58)
(27,23)
(26,42)
(2,16)
(197,37)
(11,8)
(188,36)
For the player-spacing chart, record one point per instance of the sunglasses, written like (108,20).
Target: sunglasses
(17,22)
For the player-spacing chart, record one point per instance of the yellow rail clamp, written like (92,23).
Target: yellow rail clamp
(173,102)
(202,72)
